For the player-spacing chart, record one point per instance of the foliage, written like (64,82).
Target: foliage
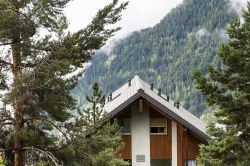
(228,88)
(208,116)
(93,114)
(165,54)
(41,163)
(106,158)
(92,133)
(1,161)
(37,67)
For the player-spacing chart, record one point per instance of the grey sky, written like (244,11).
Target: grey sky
(238,4)
(139,13)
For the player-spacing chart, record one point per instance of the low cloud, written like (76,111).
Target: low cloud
(238,5)
(223,35)
(202,32)
(108,47)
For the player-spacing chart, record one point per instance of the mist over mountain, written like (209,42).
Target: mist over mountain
(166,54)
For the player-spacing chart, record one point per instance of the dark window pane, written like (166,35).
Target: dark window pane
(125,124)
(161,162)
(157,129)
(162,129)
(153,129)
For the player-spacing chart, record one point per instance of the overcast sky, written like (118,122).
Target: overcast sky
(138,15)
(238,4)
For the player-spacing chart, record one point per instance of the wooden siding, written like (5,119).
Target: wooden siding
(126,153)
(159,122)
(161,144)
(192,147)
(126,113)
(187,145)
(180,144)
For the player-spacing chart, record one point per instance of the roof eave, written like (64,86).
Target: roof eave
(141,93)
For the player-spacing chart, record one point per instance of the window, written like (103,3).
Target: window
(190,163)
(125,124)
(158,125)
(157,129)
(161,162)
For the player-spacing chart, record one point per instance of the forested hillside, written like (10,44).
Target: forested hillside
(165,54)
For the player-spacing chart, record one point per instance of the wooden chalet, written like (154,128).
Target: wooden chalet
(156,130)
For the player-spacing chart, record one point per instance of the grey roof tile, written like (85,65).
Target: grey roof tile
(126,92)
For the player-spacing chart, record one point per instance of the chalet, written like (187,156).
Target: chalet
(156,130)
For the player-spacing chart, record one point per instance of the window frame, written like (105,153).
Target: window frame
(159,126)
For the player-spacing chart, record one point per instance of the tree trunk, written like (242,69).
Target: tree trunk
(17,101)
(186,146)
(18,105)
(18,144)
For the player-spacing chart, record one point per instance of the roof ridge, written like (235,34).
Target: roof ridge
(127,93)
(138,82)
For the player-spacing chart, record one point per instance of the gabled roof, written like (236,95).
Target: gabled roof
(126,95)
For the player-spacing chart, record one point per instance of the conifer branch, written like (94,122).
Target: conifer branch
(6,121)
(50,122)
(2,62)
(2,7)
(5,44)
(5,124)
(59,129)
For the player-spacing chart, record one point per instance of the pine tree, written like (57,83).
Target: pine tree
(37,68)
(94,133)
(228,88)
(94,114)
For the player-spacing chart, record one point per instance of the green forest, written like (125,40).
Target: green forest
(166,54)
(53,115)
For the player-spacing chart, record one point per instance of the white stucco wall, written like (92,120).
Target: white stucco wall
(140,135)
(174,143)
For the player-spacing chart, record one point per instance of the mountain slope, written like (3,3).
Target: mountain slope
(165,54)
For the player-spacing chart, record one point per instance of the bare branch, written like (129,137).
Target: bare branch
(2,62)
(51,123)
(47,153)
(5,124)
(60,130)
(5,44)
(6,121)
(29,65)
